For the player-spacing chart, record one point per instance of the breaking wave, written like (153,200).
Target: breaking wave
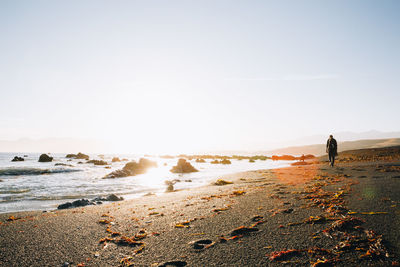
(33,171)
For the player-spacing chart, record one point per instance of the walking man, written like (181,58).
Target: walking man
(331,149)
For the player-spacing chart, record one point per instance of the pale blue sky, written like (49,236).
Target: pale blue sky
(163,76)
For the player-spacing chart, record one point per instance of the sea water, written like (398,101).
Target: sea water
(32,185)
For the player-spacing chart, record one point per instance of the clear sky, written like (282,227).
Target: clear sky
(171,76)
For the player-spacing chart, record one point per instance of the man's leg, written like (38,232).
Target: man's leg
(331,158)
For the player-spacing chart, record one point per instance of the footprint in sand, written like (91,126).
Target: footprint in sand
(243,230)
(173,263)
(200,244)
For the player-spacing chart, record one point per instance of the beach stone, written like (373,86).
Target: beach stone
(226,161)
(16,158)
(81,202)
(45,158)
(170,188)
(114,197)
(111,197)
(65,206)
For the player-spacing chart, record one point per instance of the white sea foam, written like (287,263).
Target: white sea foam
(29,184)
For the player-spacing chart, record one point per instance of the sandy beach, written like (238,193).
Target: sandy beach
(302,215)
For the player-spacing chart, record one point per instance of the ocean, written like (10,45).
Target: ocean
(32,185)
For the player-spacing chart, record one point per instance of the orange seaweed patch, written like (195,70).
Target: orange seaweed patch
(105,239)
(126,241)
(12,218)
(220,209)
(139,250)
(284,254)
(238,193)
(141,235)
(126,262)
(185,224)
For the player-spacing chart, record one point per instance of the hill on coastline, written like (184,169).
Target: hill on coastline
(319,149)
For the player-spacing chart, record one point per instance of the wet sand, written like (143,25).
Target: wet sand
(303,215)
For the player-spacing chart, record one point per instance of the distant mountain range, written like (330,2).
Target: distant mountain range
(52,145)
(343,136)
(319,149)
(305,145)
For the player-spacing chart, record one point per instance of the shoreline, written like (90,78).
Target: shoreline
(51,202)
(169,225)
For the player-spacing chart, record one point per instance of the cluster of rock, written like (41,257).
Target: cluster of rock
(45,158)
(289,157)
(42,158)
(16,158)
(183,167)
(133,168)
(97,162)
(86,202)
(199,160)
(77,156)
(224,161)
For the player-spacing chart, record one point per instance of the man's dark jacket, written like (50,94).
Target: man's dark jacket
(331,146)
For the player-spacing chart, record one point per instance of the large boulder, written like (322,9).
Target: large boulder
(183,167)
(16,158)
(115,159)
(146,163)
(133,168)
(45,158)
(114,197)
